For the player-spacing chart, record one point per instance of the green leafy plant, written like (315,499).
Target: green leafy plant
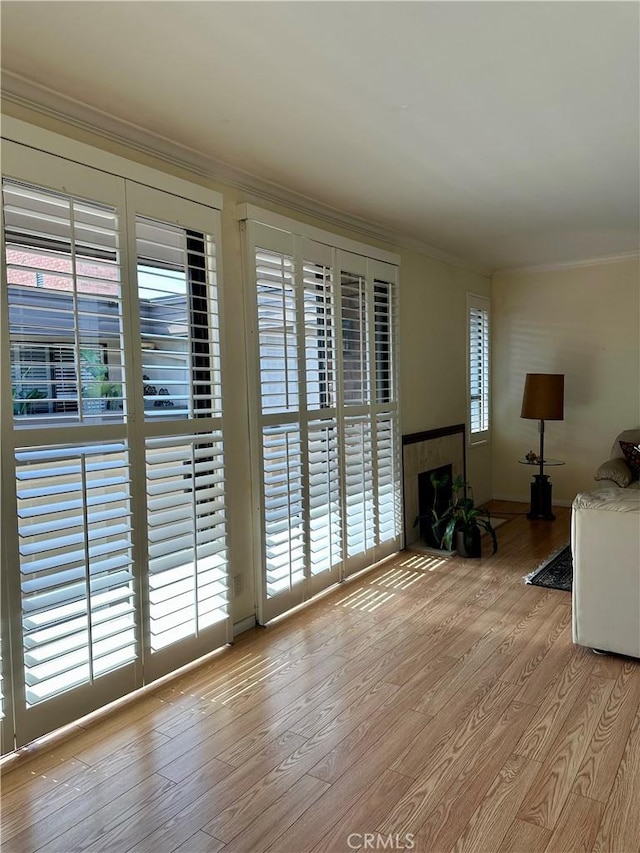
(463,515)
(436,518)
(22,397)
(97,387)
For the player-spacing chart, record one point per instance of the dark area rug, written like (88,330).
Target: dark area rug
(556,572)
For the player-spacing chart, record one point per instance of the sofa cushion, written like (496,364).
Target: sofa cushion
(616,470)
(632,456)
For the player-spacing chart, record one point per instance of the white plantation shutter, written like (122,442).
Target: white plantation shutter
(278,340)
(178,313)
(355,340)
(283,520)
(389,477)
(479,367)
(325,516)
(187,542)
(74,527)
(320,336)
(385,325)
(187,587)
(360,504)
(326,406)
(64,287)
(106,313)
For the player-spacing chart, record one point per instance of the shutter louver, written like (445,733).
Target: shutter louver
(277,332)
(478,369)
(75,565)
(283,516)
(188,588)
(64,285)
(325,536)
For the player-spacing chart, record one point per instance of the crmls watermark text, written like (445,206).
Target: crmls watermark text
(375,841)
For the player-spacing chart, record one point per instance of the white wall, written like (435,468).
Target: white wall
(433,353)
(432,347)
(584,322)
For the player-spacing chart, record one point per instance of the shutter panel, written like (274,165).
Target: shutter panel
(319,335)
(326,397)
(64,285)
(186,605)
(359,509)
(388,471)
(325,527)
(384,321)
(355,340)
(78,625)
(75,565)
(478,367)
(179,321)
(283,514)
(187,540)
(277,332)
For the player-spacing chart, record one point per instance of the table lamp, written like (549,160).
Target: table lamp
(543,401)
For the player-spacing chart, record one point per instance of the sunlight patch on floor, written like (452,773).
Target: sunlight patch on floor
(365,599)
(397,578)
(423,563)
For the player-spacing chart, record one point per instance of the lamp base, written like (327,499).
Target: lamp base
(541,499)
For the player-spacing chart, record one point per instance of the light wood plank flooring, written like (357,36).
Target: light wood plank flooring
(439,703)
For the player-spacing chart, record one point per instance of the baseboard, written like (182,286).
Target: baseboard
(244,625)
(522,499)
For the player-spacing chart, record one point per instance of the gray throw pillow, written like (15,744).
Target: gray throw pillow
(616,470)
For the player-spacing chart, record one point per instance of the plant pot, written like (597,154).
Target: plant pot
(468,542)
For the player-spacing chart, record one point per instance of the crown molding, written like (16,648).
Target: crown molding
(569,265)
(40,99)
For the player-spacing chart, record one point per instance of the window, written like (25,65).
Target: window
(110,309)
(478,308)
(326,411)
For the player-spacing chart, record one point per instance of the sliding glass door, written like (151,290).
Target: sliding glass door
(114,551)
(325,408)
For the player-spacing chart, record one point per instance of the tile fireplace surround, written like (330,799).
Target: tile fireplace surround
(424,451)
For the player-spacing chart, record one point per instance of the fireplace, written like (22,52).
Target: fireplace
(436,450)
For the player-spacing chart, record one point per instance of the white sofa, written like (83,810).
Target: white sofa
(605,543)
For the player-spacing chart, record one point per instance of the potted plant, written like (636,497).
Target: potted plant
(465,523)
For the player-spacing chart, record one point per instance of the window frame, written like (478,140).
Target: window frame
(482,435)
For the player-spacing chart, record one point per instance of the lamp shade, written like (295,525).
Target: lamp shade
(543,397)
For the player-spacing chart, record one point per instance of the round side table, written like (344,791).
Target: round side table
(541,490)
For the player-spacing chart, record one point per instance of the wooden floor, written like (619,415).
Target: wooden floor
(439,702)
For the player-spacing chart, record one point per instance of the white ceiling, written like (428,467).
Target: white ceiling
(504,133)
